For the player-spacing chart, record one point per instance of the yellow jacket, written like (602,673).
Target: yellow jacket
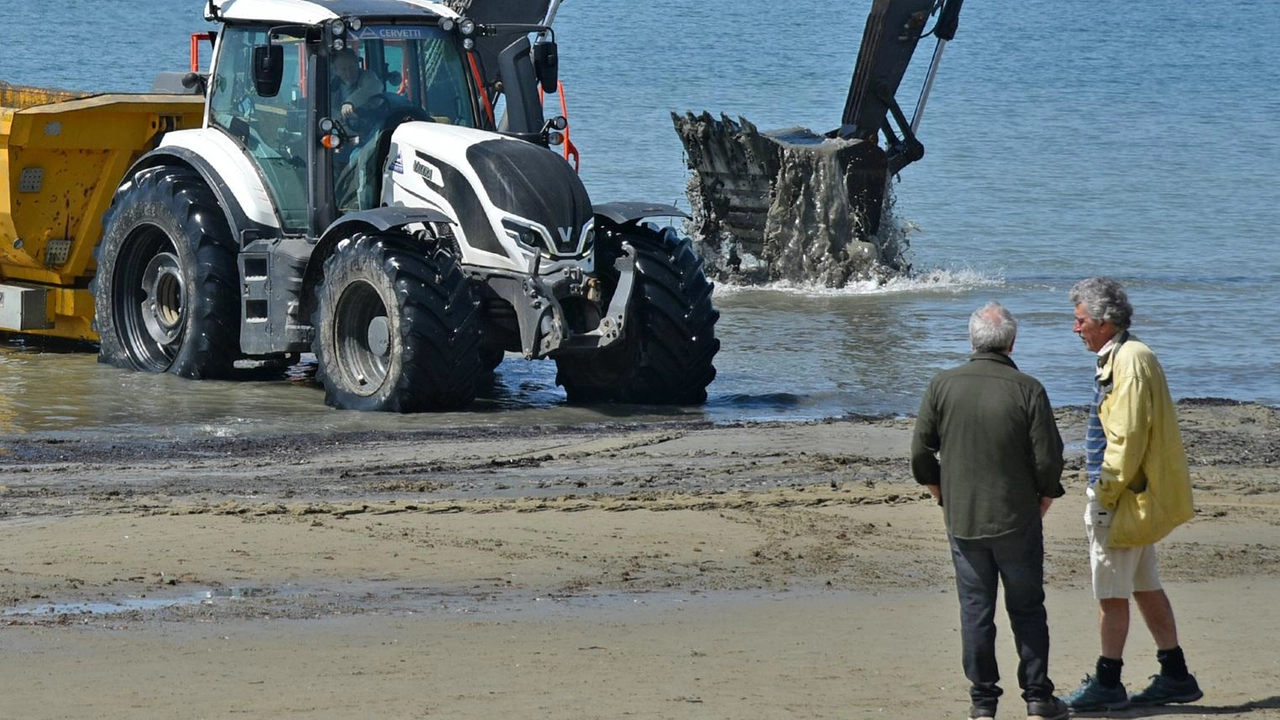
(1145,480)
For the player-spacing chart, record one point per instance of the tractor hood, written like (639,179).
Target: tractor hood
(507,197)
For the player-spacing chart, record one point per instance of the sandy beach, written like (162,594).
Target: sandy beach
(672,570)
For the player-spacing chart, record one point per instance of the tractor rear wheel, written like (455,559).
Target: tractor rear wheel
(397,327)
(665,356)
(166,292)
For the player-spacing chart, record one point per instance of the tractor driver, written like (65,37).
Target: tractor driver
(355,87)
(355,93)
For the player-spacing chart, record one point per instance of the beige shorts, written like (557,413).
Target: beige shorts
(1118,572)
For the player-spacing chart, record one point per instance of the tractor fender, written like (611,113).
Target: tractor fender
(621,213)
(234,181)
(383,219)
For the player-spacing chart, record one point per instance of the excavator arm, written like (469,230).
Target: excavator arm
(883,59)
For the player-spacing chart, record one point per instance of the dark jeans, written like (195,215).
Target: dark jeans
(1017,560)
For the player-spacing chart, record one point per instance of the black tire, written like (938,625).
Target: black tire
(166,292)
(491,358)
(666,355)
(398,327)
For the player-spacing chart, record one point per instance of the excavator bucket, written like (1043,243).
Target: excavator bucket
(794,205)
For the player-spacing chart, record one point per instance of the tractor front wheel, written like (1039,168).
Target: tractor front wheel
(665,356)
(397,327)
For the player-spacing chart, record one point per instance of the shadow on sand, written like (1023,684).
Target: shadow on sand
(1270,703)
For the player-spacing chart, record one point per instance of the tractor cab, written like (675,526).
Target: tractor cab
(314,100)
(318,103)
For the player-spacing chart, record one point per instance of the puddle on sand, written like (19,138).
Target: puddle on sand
(135,603)
(381,597)
(103,607)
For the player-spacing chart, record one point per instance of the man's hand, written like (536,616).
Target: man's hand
(348,110)
(936,492)
(1045,502)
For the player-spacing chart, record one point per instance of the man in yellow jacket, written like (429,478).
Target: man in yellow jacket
(1139,490)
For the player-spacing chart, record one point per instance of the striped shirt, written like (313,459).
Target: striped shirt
(1095,438)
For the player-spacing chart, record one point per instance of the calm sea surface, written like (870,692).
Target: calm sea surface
(1140,140)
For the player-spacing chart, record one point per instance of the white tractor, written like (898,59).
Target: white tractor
(374,183)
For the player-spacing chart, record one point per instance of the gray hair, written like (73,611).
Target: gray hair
(1104,299)
(992,328)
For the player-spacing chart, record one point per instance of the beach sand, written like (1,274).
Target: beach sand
(671,570)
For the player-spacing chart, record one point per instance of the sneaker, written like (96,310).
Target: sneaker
(1051,709)
(1093,695)
(1164,690)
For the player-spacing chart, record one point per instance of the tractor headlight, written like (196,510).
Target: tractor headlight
(527,237)
(337,27)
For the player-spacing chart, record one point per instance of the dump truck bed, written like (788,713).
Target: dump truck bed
(62,155)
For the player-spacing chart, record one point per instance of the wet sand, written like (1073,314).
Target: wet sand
(675,570)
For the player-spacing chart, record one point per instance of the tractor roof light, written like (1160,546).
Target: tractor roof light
(338,27)
(447,24)
(354,24)
(467,26)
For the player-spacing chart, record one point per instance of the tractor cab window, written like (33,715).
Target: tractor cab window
(386,75)
(272,130)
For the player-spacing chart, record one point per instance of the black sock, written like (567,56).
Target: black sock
(1108,671)
(1172,663)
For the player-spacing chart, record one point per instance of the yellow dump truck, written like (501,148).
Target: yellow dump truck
(62,156)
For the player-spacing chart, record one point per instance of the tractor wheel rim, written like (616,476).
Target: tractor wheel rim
(362,335)
(163,291)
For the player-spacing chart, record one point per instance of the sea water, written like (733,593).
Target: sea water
(1062,140)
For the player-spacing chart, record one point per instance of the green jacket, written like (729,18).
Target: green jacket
(1145,479)
(986,434)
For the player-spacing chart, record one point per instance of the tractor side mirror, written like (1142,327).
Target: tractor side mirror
(196,82)
(268,69)
(546,64)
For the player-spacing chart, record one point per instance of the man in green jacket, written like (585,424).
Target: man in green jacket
(987,447)
(1139,490)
